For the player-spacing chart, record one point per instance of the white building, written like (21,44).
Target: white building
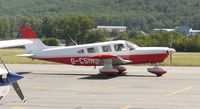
(185,29)
(112,28)
(193,32)
(163,29)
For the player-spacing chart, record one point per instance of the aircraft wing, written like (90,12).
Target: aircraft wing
(115,59)
(13,43)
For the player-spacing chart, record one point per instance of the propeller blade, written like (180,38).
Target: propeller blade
(171,51)
(18,91)
(171,59)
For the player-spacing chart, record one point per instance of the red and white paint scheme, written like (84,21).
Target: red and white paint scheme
(111,55)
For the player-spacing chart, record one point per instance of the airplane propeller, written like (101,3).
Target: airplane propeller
(19,92)
(171,51)
(171,58)
(11,79)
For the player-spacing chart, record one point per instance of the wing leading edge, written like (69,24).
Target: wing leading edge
(13,43)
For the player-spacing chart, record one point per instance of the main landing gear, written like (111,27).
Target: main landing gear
(157,70)
(115,70)
(110,70)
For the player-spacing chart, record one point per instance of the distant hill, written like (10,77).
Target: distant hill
(136,14)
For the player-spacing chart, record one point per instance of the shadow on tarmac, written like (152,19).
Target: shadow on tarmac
(89,76)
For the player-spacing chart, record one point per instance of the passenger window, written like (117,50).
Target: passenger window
(106,48)
(92,50)
(119,47)
(81,51)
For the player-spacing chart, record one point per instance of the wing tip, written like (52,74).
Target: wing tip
(24,100)
(25,55)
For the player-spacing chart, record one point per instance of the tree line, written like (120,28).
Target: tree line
(135,14)
(80,29)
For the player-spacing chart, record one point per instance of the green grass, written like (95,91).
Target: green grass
(185,59)
(179,59)
(9,57)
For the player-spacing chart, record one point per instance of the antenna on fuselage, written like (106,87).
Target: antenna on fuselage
(73,41)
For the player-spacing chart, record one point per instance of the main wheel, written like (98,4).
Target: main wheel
(157,71)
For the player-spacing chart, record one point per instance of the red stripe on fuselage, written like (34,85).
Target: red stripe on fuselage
(87,61)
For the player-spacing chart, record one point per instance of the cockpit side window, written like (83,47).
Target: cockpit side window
(119,47)
(131,46)
(106,48)
(92,50)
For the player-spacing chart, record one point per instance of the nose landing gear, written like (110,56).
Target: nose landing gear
(157,71)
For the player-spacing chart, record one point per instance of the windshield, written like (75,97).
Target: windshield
(131,45)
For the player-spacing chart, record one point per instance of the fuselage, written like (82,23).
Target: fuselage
(80,54)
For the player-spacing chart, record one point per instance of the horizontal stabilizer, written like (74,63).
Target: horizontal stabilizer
(25,55)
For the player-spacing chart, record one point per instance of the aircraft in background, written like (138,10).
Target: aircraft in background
(111,55)
(8,78)
(163,29)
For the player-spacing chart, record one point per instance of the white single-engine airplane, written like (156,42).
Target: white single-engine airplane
(8,78)
(109,54)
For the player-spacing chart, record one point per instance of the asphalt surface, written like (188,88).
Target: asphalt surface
(72,87)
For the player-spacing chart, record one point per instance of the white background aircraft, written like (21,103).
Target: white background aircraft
(8,78)
(111,55)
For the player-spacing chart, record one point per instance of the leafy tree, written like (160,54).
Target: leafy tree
(51,42)
(76,28)
(96,36)
(48,26)
(140,15)
(122,36)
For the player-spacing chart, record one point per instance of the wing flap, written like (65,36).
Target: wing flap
(124,61)
(115,59)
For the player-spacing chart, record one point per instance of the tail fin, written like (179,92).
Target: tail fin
(28,33)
